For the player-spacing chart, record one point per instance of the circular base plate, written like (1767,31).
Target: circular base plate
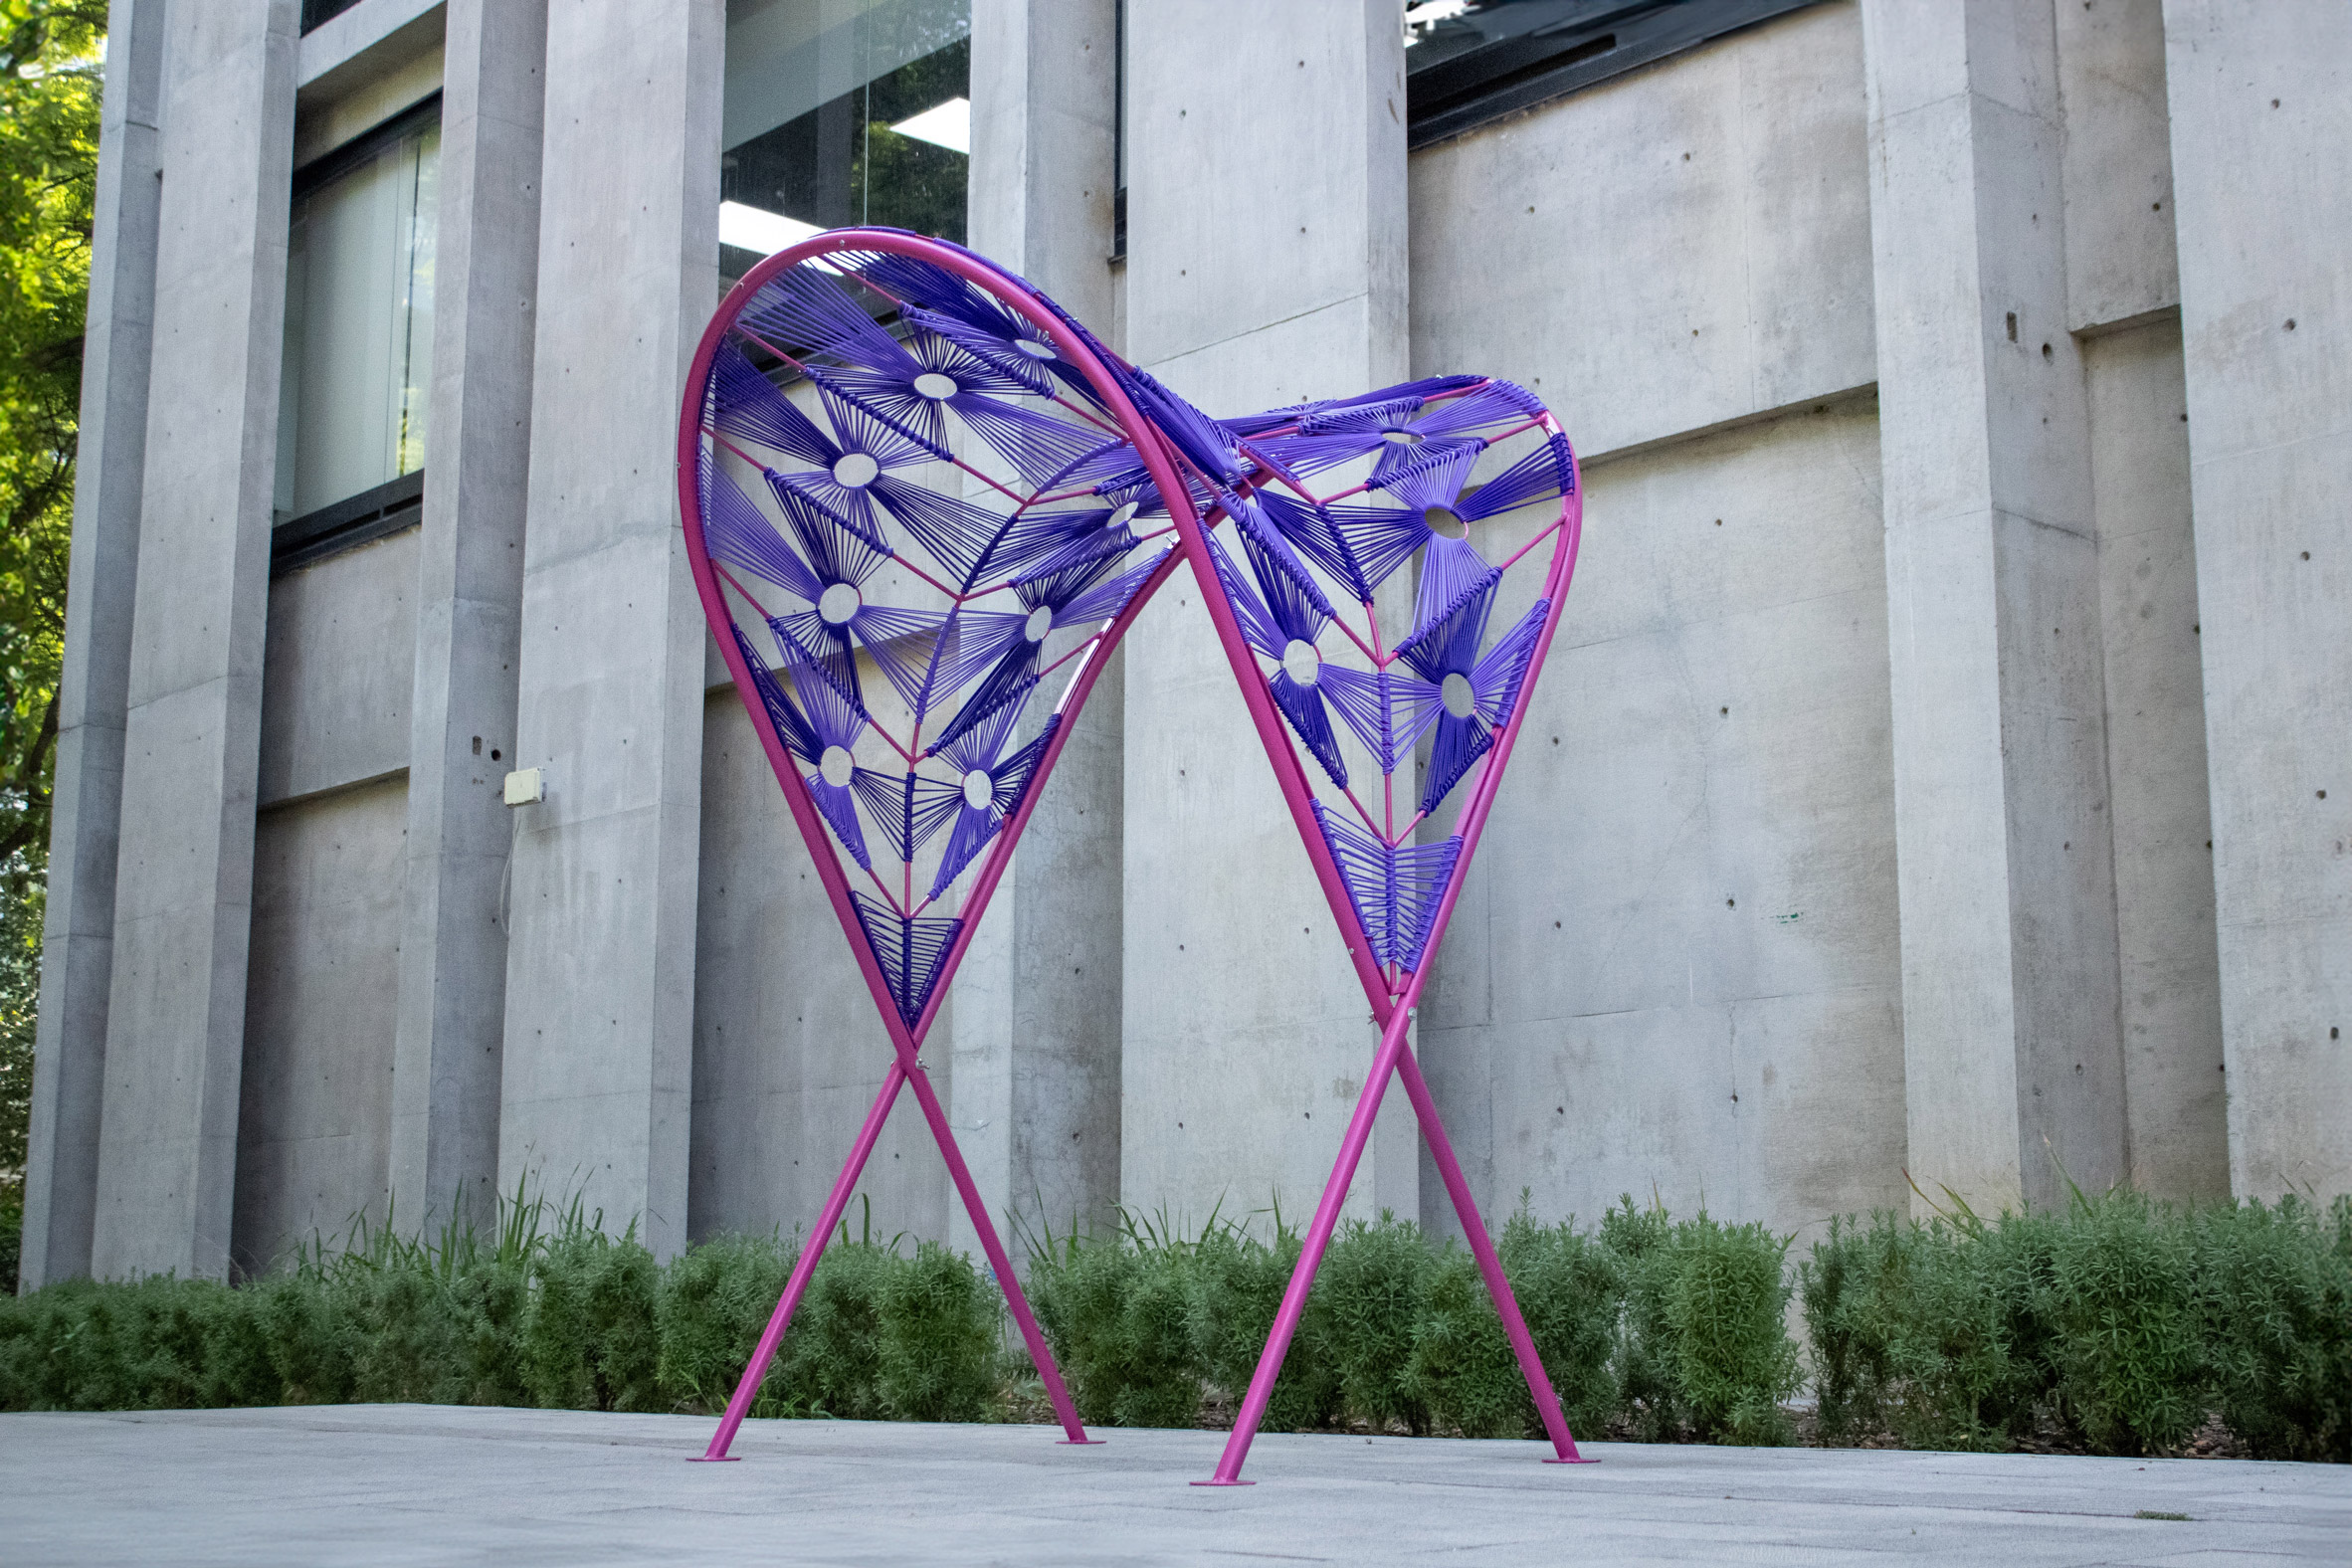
(1224,1484)
(1572,1461)
(1078,1443)
(715,1459)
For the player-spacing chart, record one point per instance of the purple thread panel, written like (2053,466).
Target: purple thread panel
(943,504)
(1320,516)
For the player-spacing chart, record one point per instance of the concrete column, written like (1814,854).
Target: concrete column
(600,963)
(453,957)
(78,939)
(175,1021)
(2005,870)
(2262,148)
(1266,262)
(1036,1018)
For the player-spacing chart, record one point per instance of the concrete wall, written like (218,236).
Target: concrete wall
(1674,969)
(595,1072)
(1935,711)
(175,1023)
(788,1049)
(1299,290)
(1037,1005)
(77,936)
(314,1125)
(339,654)
(2170,993)
(1679,248)
(2262,153)
(453,979)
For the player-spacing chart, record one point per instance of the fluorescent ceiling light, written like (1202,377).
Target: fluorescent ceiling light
(753,229)
(948,125)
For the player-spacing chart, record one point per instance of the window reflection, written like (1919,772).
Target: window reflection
(843,112)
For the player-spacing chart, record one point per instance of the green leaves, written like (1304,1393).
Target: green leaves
(50,88)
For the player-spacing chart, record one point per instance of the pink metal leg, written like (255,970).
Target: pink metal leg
(1498,1289)
(1310,1257)
(805,1267)
(1031,1335)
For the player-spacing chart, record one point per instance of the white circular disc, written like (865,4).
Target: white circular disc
(1124,514)
(837,604)
(835,765)
(933,385)
(1040,622)
(1460,700)
(1302,663)
(979,789)
(1446,523)
(856,469)
(1401,438)
(1034,348)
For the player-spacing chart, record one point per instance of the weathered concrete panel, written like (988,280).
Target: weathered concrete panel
(2156,765)
(1683,246)
(2118,175)
(2014,1066)
(601,949)
(1675,968)
(175,1025)
(453,985)
(2261,147)
(1035,1005)
(78,938)
(314,1129)
(788,1048)
(341,654)
(1246,1045)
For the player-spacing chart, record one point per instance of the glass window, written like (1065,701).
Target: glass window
(358,366)
(843,112)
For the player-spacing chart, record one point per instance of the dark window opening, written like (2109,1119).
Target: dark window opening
(317,13)
(1118,133)
(1467,64)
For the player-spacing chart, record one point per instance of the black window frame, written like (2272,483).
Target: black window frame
(1535,51)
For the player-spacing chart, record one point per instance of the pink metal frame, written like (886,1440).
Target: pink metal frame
(906,1070)
(1393,998)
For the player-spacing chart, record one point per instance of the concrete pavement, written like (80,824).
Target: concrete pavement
(396,1484)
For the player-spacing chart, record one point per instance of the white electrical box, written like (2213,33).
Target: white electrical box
(525,786)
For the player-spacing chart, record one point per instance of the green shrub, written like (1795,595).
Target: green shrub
(1376,1277)
(1649,1387)
(832,1354)
(1118,1315)
(1727,1307)
(941,1332)
(1238,1286)
(589,1341)
(1571,1291)
(2127,1333)
(1849,1289)
(713,1304)
(1462,1370)
(2274,1295)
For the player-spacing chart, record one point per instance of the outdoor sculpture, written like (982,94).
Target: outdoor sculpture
(892,589)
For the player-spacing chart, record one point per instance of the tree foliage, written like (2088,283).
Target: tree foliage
(51,63)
